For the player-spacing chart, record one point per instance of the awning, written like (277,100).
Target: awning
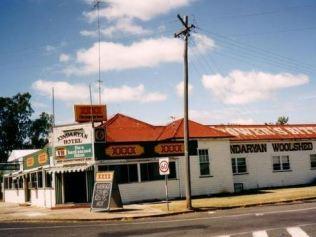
(69,169)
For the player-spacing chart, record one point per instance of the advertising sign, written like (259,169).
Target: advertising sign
(142,150)
(73,142)
(84,113)
(106,192)
(37,159)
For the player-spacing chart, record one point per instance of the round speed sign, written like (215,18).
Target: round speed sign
(164,166)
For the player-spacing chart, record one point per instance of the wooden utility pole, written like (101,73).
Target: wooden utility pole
(185,33)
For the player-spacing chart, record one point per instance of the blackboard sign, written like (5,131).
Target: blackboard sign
(101,196)
(106,192)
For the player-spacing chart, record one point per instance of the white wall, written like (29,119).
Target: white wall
(220,179)
(260,167)
(14,195)
(43,198)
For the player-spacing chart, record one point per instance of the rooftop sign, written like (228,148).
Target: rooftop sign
(85,113)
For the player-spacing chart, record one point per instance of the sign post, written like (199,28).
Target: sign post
(164,170)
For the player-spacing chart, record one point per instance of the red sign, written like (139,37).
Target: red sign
(84,113)
(124,150)
(169,148)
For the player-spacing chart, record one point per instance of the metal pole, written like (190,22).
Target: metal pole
(166,187)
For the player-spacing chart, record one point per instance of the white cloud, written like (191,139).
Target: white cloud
(64,58)
(50,48)
(180,88)
(240,87)
(62,90)
(224,115)
(203,43)
(127,93)
(140,9)
(79,93)
(89,33)
(115,56)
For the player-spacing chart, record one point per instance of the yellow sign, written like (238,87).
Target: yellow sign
(30,161)
(104,176)
(42,158)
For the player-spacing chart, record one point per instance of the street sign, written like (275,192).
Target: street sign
(9,166)
(164,166)
(164,170)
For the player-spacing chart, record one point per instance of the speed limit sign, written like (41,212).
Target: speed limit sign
(164,166)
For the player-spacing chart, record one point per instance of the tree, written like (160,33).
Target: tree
(282,120)
(40,129)
(17,129)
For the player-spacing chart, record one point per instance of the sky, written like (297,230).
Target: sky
(250,61)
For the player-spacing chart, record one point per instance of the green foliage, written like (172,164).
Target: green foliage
(17,130)
(282,120)
(39,130)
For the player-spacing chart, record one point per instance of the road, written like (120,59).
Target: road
(296,220)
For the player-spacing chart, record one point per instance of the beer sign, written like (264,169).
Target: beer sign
(87,113)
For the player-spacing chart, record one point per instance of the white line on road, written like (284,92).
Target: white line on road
(261,233)
(296,232)
(154,222)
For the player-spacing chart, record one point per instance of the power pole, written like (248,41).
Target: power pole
(97,5)
(185,33)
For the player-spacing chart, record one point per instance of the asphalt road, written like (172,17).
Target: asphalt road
(296,220)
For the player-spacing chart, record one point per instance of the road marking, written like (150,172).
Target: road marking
(259,214)
(211,212)
(157,222)
(261,233)
(296,232)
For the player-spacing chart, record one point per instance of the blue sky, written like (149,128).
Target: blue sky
(250,61)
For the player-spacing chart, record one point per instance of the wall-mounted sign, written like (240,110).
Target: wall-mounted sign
(9,166)
(99,134)
(142,150)
(248,148)
(170,148)
(37,159)
(104,176)
(296,146)
(73,152)
(84,113)
(124,150)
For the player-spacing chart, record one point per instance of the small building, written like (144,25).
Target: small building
(224,159)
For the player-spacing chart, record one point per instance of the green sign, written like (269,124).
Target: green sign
(37,159)
(9,166)
(74,152)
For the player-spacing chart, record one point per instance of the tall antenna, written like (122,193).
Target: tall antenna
(53,105)
(97,5)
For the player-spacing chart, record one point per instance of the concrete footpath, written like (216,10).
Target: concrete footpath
(14,212)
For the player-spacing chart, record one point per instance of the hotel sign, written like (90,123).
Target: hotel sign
(85,113)
(142,150)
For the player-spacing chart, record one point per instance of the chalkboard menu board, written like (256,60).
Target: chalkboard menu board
(106,192)
(101,196)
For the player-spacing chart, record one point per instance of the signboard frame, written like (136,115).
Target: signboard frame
(109,197)
(90,113)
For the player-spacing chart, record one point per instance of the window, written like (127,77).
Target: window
(20,180)
(33,180)
(204,162)
(6,183)
(49,178)
(40,179)
(313,161)
(239,165)
(150,171)
(123,173)
(281,163)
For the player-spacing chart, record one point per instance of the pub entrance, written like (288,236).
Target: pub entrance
(75,187)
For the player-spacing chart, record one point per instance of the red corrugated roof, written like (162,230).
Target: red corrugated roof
(268,132)
(122,128)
